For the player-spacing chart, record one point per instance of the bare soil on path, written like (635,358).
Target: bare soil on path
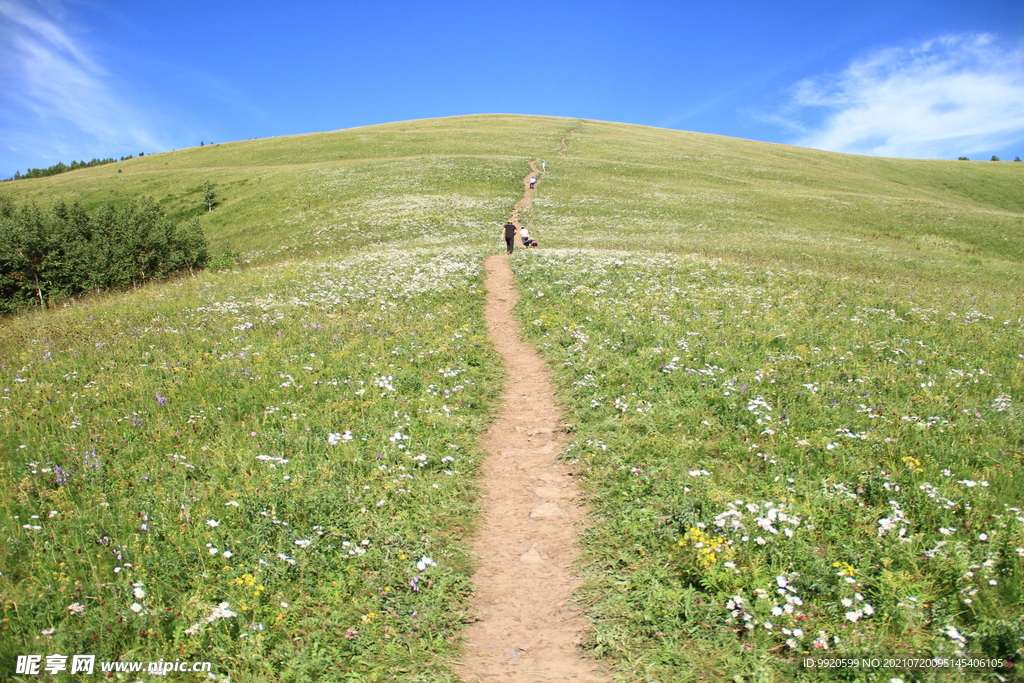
(527,200)
(528,627)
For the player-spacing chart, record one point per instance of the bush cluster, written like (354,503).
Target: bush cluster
(45,256)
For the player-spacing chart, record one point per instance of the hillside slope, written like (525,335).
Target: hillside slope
(453,181)
(302,195)
(673,191)
(277,467)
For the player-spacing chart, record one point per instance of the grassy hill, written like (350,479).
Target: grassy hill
(394,184)
(794,377)
(672,191)
(662,190)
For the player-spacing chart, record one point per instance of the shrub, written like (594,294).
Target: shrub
(63,252)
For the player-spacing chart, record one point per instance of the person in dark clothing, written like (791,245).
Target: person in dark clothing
(510,236)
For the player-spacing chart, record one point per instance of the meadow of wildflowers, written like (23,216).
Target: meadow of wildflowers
(270,471)
(809,447)
(787,465)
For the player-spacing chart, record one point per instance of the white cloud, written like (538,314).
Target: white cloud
(947,97)
(56,87)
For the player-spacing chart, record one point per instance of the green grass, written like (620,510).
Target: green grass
(171,450)
(646,189)
(831,337)
(785,464)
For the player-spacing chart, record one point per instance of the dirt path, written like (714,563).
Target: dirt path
(527,201)
(528,627)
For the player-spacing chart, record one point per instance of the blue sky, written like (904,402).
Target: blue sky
(906,78)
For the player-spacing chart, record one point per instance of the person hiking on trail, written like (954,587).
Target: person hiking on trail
(533,181)
(510,235)
(528,241)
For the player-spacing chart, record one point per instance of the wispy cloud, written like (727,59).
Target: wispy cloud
(949,96)
(50,78)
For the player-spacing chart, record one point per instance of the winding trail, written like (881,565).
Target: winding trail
(527,200)
(528,628)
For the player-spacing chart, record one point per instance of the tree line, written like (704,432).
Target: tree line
(61,167)
(50,255)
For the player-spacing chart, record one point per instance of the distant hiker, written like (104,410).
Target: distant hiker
(510,235)
(528,241)
(533,181)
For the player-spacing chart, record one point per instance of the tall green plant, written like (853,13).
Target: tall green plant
(46,256)
(28,251)
(208,195)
